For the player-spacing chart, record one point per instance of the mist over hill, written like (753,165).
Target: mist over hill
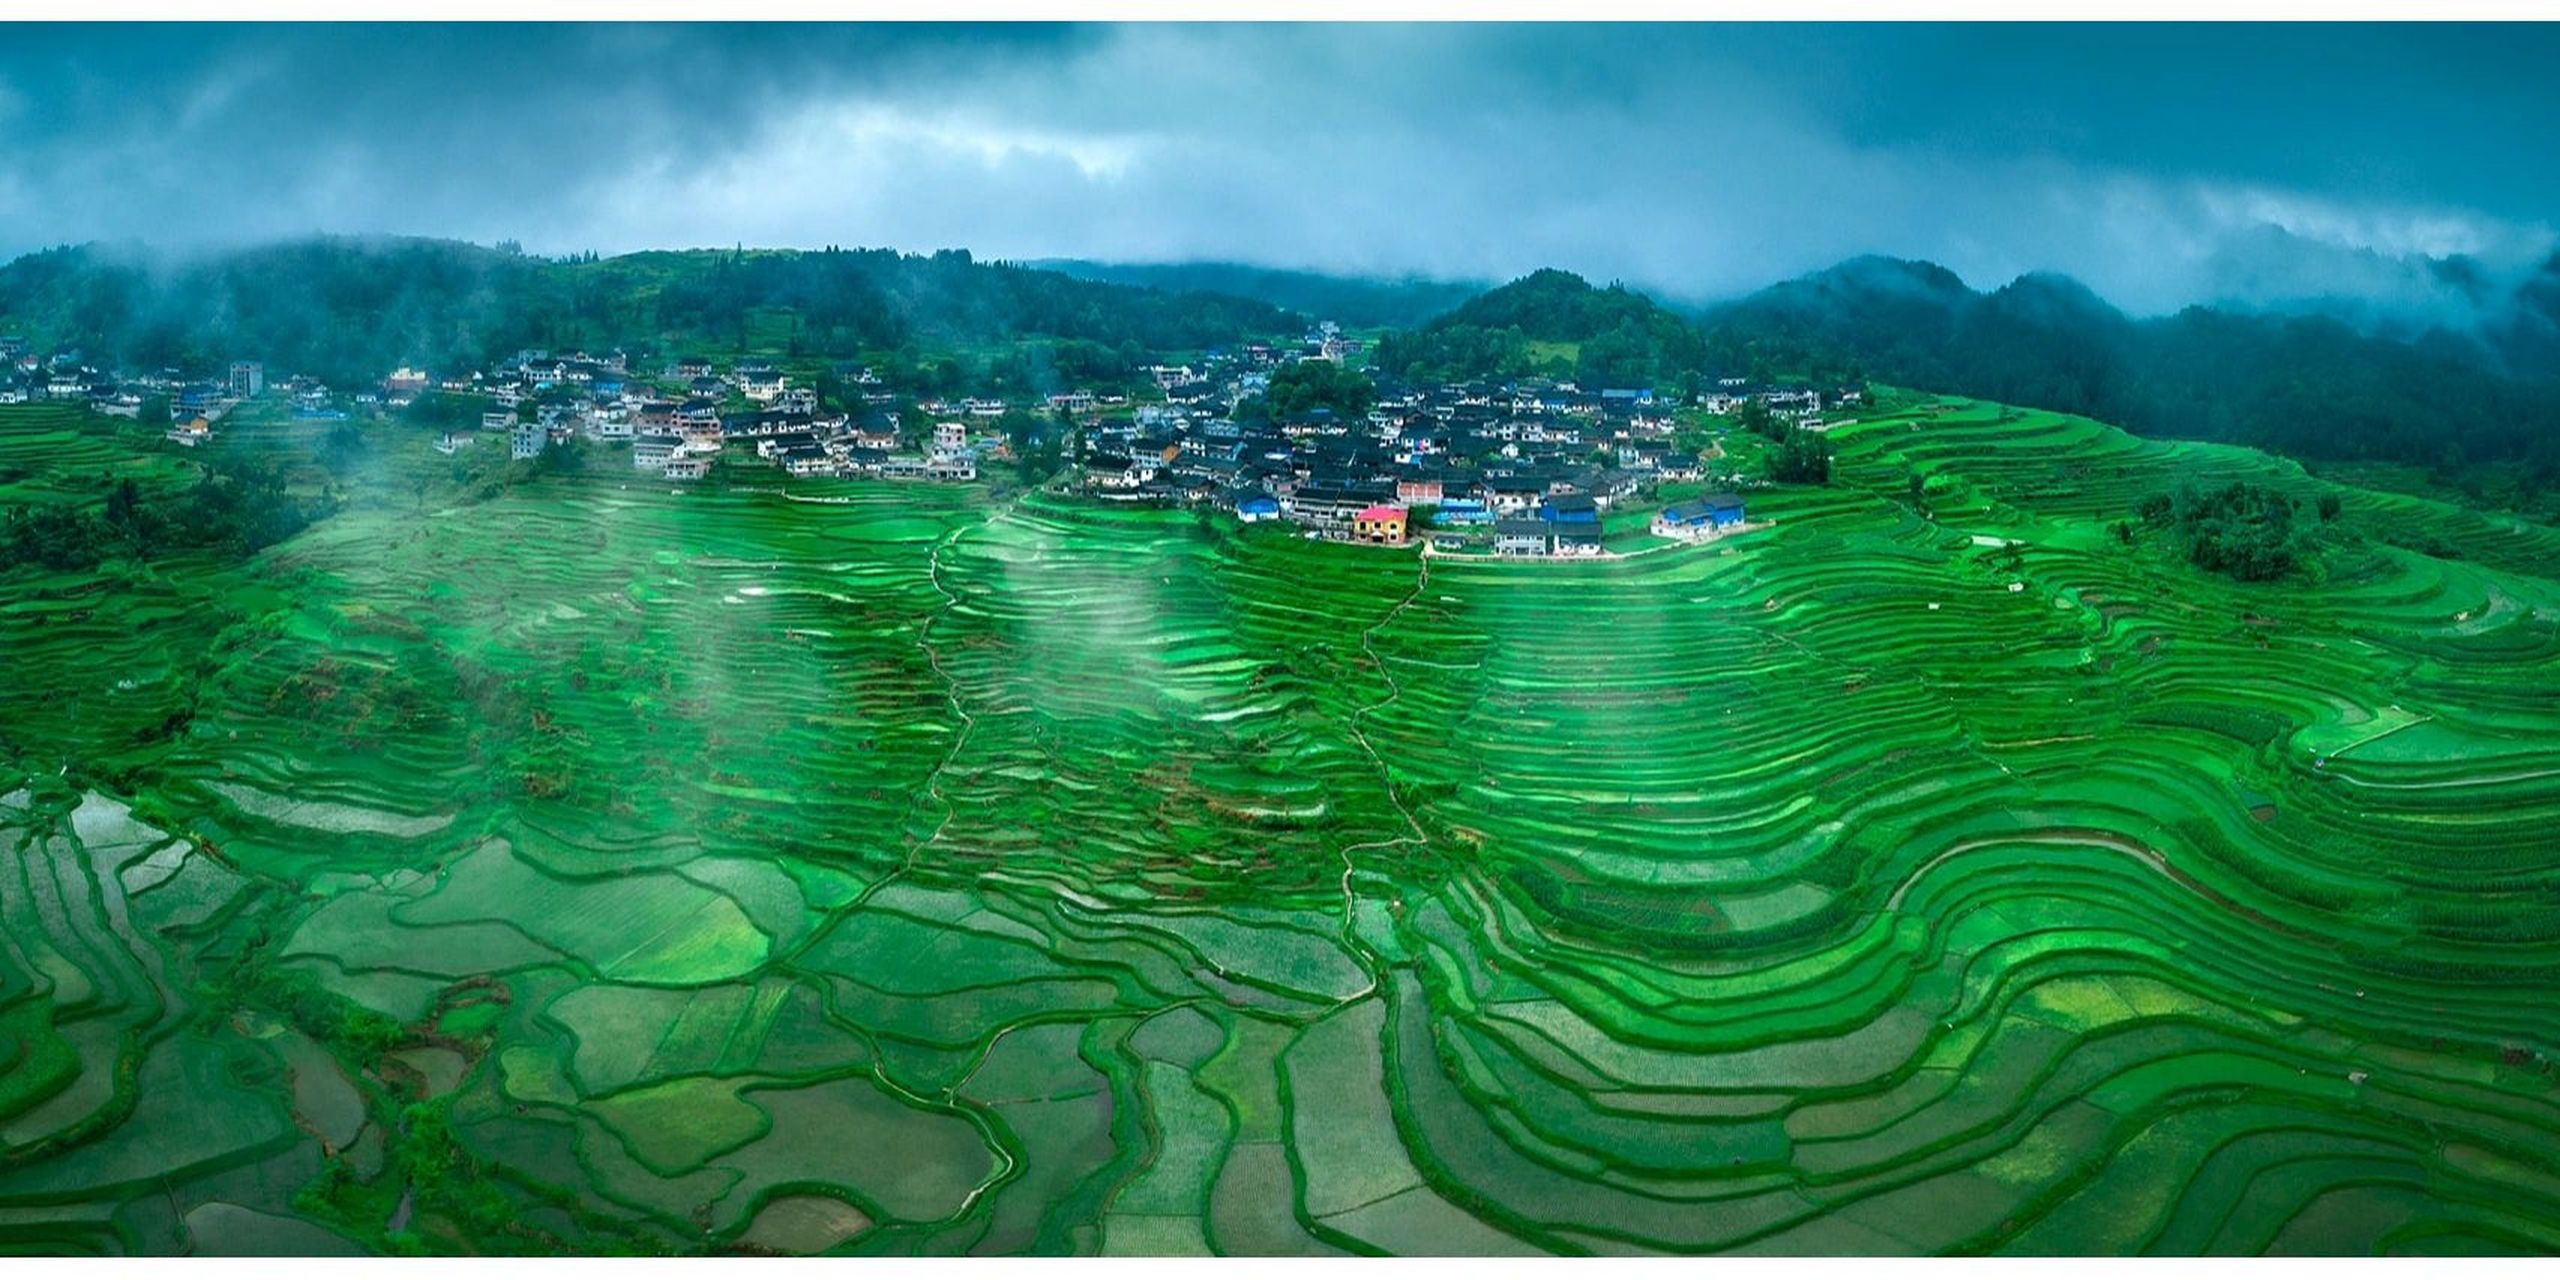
(2311,385)
(350,308)
(2305,383)
(1358,301)
(2316,385)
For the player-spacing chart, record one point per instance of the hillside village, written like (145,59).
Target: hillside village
(1520,469)
(1526,468)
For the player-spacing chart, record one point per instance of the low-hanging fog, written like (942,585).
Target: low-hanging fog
(2389,172)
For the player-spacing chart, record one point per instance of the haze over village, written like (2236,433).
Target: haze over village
(887,642)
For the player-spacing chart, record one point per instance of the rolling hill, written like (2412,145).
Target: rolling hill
(2307,385)
(1358,301)
(349,309)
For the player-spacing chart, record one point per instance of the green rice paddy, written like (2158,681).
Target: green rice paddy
(886,869)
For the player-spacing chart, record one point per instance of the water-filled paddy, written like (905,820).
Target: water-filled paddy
(598,868)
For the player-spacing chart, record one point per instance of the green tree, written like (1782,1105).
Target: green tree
(1801,457)
(1300,389)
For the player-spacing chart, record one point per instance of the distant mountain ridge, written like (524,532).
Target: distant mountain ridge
(351,308)
(2308,385)
(2312,385)
(2531,334)
(1359,301)
(2315,386)
(1549,321)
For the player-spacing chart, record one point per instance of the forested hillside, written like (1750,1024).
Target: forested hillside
(2309,386)
(2479,406)
(1358,301)
(348,309)
(2463,406)
(1550,322)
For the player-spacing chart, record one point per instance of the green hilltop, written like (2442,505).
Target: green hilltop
(2472,414)
(351,309)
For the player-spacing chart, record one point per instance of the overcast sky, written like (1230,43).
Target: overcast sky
(2162,165)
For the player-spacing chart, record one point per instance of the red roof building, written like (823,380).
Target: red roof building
(1380,524)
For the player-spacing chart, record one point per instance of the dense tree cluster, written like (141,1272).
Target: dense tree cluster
(2480,410)
(1358,301)
(1802,457)
(1299,389)
(2457,405)
(1443,353)
(350,309)
(445,411)
(1555,306)
(2244,530)
(1797,456)
(1620,337)
(1042,367)
(1038,443)
(2307,386)
(236,507)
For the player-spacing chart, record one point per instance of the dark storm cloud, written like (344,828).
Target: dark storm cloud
(2162,164)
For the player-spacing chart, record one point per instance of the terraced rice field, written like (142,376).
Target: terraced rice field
(880,869)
